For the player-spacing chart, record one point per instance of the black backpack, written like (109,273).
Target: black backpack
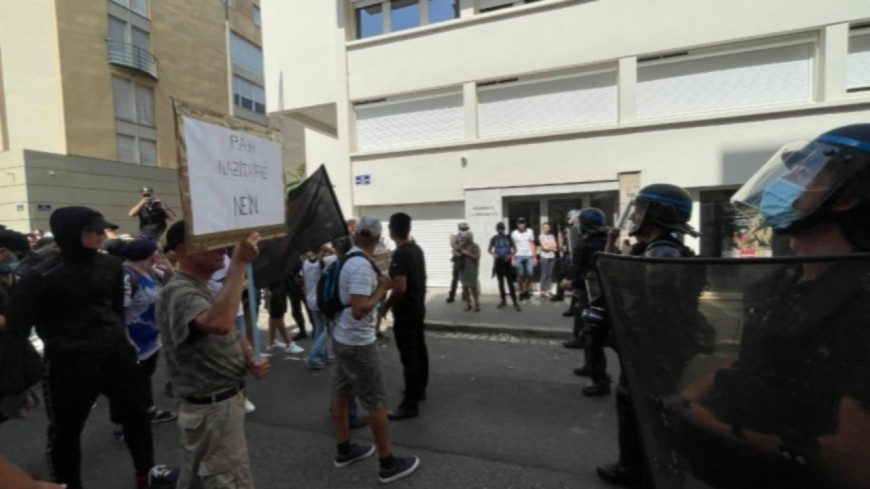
(328,298)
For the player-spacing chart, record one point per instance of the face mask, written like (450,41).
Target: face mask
(777,204)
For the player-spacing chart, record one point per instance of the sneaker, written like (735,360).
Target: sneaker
(118,437)
(278,345)
(357,452)
(403,467)
(300,336)
(314,365)
(501,304)
(162,477)
(249,406)
(293,349)
(159,416)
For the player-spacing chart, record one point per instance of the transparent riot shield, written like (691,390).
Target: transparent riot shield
(760,382)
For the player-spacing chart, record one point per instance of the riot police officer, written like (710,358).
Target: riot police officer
(658,214)
(591,238)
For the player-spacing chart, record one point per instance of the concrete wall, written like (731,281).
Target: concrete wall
(300,41)
(34,113)
(323,149)
(570,33)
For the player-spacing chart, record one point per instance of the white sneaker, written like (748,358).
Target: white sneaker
(249,406)
(277,345)
(294,349)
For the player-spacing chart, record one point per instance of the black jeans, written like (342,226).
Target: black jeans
(504,273)
(146,370)
(71,385)
(411,342)
(454,281)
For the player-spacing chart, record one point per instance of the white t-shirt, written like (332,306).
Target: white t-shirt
(547,239)
(523,241)
(358,277)
(216,283)
(311,272)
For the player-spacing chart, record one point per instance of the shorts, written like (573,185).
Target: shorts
(358,373)
(214,449)
(524,266)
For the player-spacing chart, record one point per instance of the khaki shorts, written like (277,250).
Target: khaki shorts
(215,453)
(358,373)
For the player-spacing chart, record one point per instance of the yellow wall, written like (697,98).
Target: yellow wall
(187,38)
(31,76)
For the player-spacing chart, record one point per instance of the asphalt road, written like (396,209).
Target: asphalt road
(502,412)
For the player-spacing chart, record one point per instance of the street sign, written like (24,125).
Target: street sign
(363,179)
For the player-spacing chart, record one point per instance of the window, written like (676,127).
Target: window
(246,55)
(441,10)
(858,62)
(135,133)
(256,16)
(409,122)
(485,6)
(548,104)
(404,14)
(249,95)
(369,21)
(138,6)
(687,84)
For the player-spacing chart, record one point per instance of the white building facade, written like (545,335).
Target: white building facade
(488,110)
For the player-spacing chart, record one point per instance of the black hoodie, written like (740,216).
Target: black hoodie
(74,298)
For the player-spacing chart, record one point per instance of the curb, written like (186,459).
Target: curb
(540,332)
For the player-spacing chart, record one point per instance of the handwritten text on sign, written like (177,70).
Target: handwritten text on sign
(236,179)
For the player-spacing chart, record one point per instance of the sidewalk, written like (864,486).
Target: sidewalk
(539,317)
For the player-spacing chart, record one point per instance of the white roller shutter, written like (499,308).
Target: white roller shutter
(548,105)
(415,122)
(431,226)
(753,78)
(858,63)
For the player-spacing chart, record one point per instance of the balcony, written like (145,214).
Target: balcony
(129,56)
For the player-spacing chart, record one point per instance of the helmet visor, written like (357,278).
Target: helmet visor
(791,185)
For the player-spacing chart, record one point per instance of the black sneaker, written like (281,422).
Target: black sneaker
(404,466)
(159,416)
(300,336)
(619,475)
(501,304)
(357,452)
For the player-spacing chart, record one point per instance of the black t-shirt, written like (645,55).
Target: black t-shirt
(152,220)
(408,262)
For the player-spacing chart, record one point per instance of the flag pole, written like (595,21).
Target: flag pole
(253,302)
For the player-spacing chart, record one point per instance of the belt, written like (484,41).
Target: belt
(215,398)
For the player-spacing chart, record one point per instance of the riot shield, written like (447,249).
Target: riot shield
(762,382)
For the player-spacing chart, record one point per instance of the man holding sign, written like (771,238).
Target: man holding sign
(208,361)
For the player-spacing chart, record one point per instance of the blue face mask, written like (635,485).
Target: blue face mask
(777,204)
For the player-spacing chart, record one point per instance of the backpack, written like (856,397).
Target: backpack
(502,246)
(328,298)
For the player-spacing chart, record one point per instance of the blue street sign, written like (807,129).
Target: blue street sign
(363,179)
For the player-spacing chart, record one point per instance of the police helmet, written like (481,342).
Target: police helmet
(664,205)
(591,220)
(823,180)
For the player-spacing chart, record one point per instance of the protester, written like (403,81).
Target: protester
(358,369)
(312,269)
(659,211)
(142,279)
(208,361)
(408,302)
(525,258)
(548,258)
(470,273)
(152,214)
(75,300)
(277,310)
(14,249)
(502,249)
(457,261)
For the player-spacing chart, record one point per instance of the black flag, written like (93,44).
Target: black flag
(313,219)
(749,373)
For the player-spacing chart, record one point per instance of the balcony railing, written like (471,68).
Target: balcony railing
(125,54)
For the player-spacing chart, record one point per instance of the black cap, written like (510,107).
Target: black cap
(521,220)
(147,190)
(175,235)
(14,241)
(98,223)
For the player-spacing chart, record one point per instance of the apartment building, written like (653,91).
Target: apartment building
(87,90)
(488,110)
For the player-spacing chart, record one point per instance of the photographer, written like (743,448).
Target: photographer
(152,214)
